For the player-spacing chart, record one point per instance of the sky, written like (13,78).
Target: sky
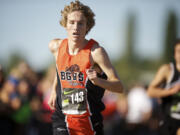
(28,26)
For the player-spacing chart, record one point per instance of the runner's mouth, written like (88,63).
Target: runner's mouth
(76,34)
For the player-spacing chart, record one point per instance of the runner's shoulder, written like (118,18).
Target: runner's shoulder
(97,49)
(165,70)
(54,45)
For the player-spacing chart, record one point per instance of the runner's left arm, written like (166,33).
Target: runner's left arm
(101,58)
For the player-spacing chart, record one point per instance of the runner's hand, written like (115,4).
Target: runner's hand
(52,100)
(92,75)
(175,89)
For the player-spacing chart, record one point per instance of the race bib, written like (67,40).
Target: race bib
(175,108)
(74,100)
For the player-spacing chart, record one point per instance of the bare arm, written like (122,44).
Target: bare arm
(53,46)
(54,85)
(101,58)
(162,75)
(52,99)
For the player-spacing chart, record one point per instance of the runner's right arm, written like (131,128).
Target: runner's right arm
(53,46)
(162,76)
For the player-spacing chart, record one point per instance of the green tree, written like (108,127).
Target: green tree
(127,64)
(129,55)
(170,37)
(14,60)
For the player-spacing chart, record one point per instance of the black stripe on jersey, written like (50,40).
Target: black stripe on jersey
(176,74)
(96,106)
(168,101)
(58,118)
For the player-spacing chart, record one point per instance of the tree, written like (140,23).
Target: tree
(170,37)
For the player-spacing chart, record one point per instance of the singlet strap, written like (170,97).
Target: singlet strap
(62,45)
(176,73)
(90,44)
(64,42)
(172,72)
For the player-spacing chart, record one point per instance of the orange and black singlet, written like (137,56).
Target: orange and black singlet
(78,105)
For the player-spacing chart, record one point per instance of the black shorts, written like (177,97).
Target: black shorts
(169,126)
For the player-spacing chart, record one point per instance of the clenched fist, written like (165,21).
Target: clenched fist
(92,75)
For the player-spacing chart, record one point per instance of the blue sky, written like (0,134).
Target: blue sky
(29,25)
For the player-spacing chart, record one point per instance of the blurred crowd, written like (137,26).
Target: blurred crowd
(23,101)
(132,113)
(24,110)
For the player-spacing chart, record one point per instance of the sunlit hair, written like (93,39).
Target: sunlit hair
(78,6)
(177,42)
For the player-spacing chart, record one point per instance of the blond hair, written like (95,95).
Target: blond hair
(78,6)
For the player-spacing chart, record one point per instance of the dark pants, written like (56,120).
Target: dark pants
(169,126)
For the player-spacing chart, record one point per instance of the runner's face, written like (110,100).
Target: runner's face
(76,26)
(177,53)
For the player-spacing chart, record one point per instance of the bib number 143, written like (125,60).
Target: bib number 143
(77,97)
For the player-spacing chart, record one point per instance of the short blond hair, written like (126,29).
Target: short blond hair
(78,6)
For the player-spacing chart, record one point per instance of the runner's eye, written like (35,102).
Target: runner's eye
(71,22)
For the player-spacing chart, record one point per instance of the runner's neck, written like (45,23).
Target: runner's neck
(75,47)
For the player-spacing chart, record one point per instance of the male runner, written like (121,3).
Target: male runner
(166,85)
(84,71)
